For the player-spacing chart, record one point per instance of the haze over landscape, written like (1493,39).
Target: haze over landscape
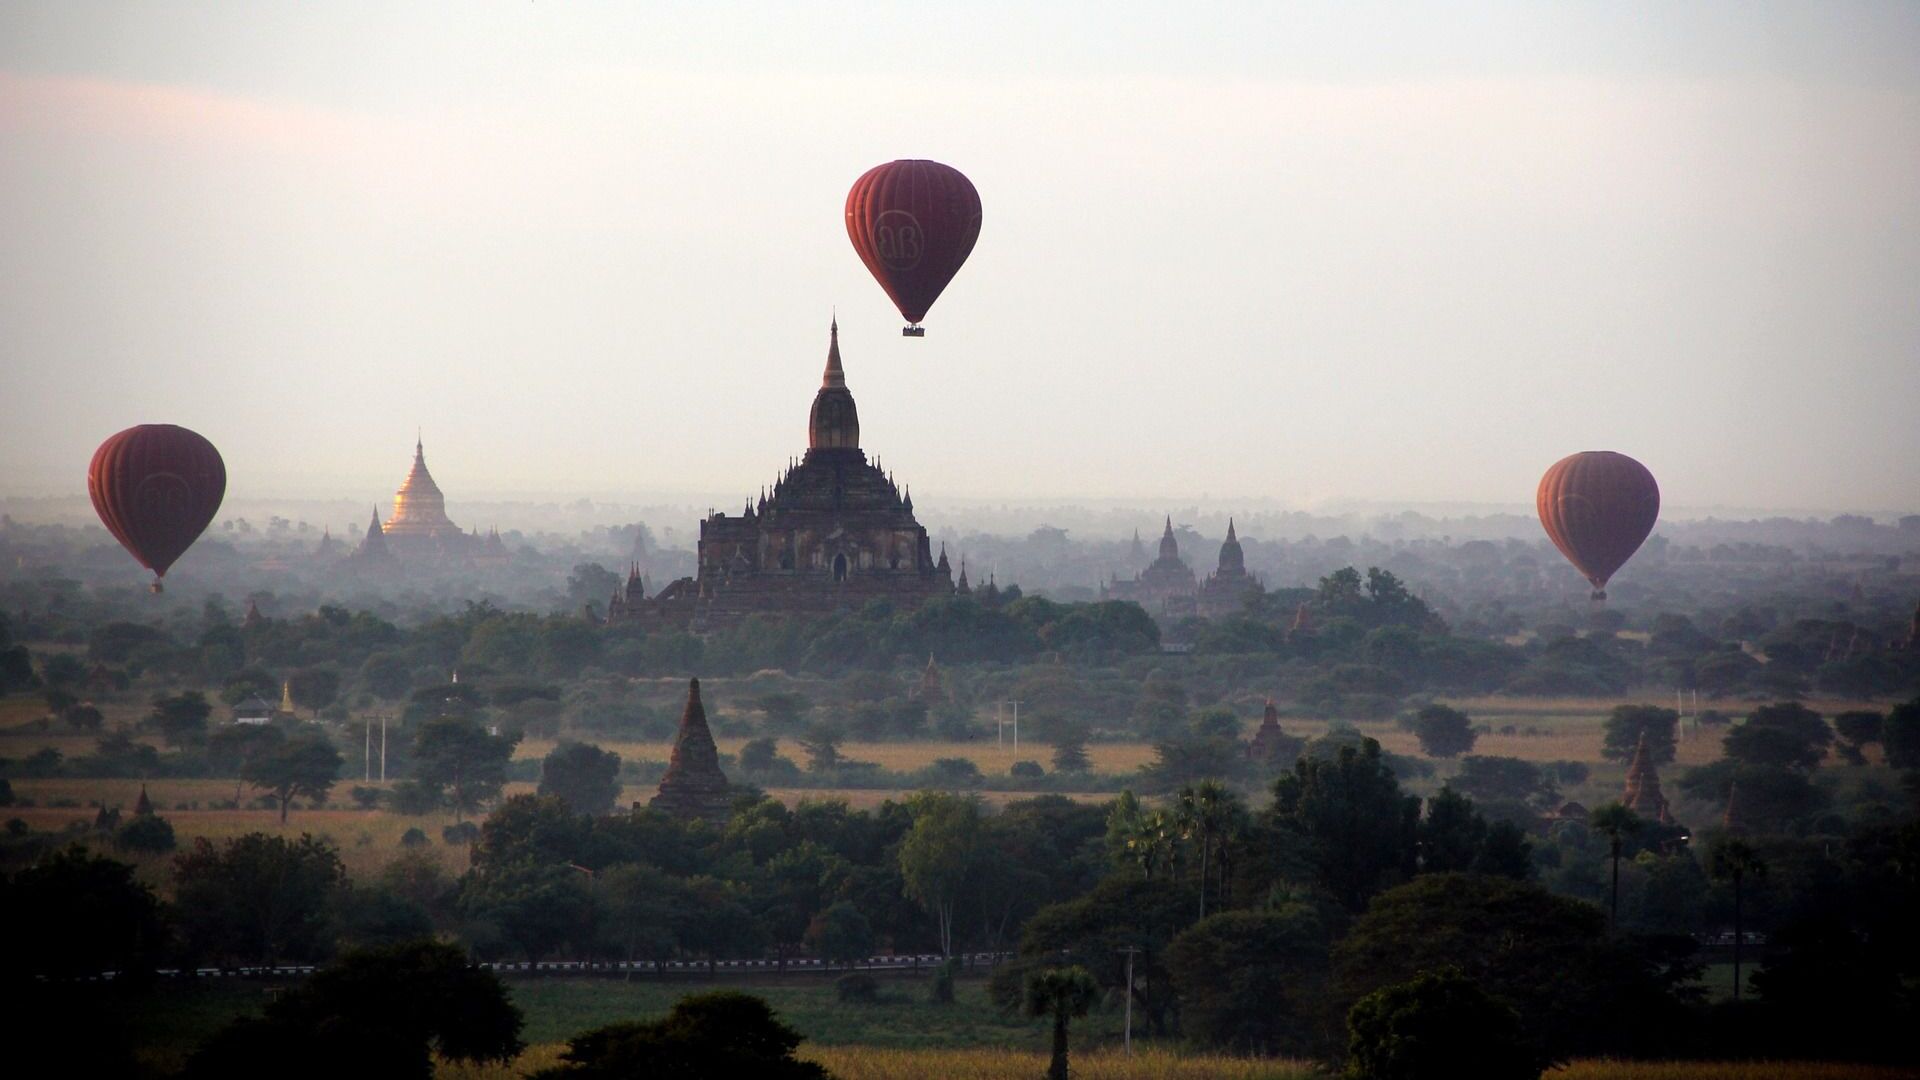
(1241,541)
(1301,253)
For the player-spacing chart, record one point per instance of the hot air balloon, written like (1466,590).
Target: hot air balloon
(913,223)
(156,488)
(1598,507)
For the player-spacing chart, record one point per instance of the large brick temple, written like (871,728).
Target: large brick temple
(833,533)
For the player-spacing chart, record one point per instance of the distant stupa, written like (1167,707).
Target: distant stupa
(1642,794)
(694,786)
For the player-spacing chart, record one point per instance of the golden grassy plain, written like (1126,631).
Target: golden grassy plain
(1108,1063)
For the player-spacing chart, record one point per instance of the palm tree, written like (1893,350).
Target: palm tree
(1616,821)
(1208,812)
(1061,993)
(1730,859)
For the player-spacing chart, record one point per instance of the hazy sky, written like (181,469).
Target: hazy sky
(1295,252)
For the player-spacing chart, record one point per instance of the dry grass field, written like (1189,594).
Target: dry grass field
(897,756)
(1562,729)
(1107,1063)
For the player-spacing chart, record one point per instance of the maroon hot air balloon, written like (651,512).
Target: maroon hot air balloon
(913,223)
(1598,507)
(156,488)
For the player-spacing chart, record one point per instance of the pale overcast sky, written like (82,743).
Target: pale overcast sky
(1294,252)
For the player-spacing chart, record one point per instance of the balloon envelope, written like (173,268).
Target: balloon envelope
(156,488)
(913,223)
(1598,507)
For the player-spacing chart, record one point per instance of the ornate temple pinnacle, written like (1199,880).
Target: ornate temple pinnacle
(834,377)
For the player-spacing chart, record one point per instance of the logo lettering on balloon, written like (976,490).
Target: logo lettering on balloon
(898,241)
(164,499)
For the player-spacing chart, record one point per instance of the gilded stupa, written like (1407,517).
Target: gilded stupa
(419,509)
(420,526)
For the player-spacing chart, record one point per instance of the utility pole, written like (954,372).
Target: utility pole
(1130,951)
(1000,724)
(383,748)
(367,755)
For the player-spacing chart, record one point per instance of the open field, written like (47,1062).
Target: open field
(903,1035)
(1108,1063)
(897,756)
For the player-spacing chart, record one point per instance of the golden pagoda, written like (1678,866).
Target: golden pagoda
(419,509)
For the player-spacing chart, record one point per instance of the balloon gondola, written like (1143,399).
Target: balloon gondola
(913,223)
(1598,507)
(156,488)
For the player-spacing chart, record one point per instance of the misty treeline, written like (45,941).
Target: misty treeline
(1261,920)
(1493,573)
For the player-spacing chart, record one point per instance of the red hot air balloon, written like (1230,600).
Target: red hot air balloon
(156,488)
(913,223)
(1598,507)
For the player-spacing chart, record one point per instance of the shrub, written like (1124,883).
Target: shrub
(1439,1024)
(941,990)
(858,989)
(414,838)
(149,833)
(1029,770)
(465,832)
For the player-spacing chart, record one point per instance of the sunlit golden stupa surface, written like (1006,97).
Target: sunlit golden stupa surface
(419,509)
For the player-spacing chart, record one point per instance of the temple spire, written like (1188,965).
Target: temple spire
(834,377)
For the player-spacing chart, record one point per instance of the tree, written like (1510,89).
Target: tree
(231,749)
(1118,913)
(1443,732)
(257,898)
(1440,1024)
(1547,956)
(148,834)
(536,907)
(1627,723)
(1070,749)
(304,766)
(181,719)
(1210,814)
(1733,860)
(636,905)
(1488,779)
(1900,737)
(821,744)
(1856,729)
(1785,735)
(722,1033)
(784,712)
(841,934)
(75,914)
(582,775)
(591,584)
(1359,832)
(387,676)
(314,688)
(458,759)
(1617,822)
(1253,981)
(1451,834)
(938,855)
(387,1010)
(759,755)
(1060,993)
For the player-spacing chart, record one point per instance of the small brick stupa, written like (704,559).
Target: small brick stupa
(694,786)
(1643,795)
(1270,745)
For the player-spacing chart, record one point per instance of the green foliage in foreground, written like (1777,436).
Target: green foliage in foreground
(720,1033)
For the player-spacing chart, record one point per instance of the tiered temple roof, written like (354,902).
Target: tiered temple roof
(833,533)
